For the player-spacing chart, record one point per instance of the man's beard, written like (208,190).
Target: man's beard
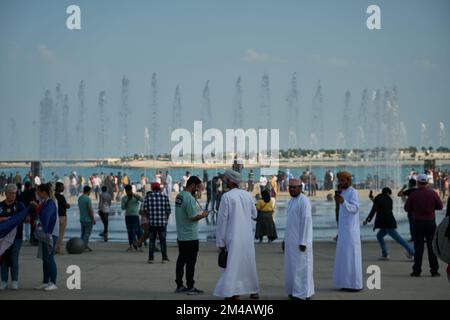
(344,186)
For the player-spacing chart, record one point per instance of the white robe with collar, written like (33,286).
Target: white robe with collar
(298,266)
(234,231)
(348,263)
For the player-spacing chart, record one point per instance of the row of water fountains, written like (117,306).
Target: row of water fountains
(376,131)
(376,125)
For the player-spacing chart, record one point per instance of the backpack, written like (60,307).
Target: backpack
(441,242)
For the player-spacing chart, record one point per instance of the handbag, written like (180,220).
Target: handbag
(223,257)
(39,233)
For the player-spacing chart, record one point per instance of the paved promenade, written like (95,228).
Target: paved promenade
(109,272)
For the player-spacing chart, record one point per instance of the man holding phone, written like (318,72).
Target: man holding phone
(187,235)
(348,263)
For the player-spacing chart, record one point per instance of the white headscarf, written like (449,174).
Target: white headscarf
(233,176)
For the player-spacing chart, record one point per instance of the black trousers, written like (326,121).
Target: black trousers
(104,216)
(423,231)
(411,231)
(187,256)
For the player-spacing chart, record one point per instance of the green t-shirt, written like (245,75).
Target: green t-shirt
(84,203)
(132,206)
(185,209)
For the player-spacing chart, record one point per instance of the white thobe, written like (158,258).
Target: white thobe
(234,231)
(168,186)
(298,266)
(348,263)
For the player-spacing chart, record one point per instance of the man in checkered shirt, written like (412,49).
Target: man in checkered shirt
(157,209)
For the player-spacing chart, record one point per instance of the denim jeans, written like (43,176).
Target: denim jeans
(140,233)
(161,231)
(86,230)
(133,228)
(48,261)
(26,231)
(96,191)
(11,260)
(394,235)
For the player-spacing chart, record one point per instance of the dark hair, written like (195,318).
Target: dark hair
(193,180)
(59,186)
(45,187)
(386,190)
(128,187)
(266,196)
(86,189)
(412,182)
(27,184)
(104,188)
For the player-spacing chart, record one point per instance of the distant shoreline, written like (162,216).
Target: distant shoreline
(159,164)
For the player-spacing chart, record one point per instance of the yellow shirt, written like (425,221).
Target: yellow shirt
(265,206)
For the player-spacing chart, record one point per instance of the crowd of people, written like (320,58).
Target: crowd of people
(147,209)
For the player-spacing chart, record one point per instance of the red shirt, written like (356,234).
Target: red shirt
(422,203)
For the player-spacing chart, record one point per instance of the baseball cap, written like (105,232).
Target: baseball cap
(422,178)
(156,186)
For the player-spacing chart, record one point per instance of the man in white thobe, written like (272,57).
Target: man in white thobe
(168,185)
(234,234)
(347,273)
(298,240)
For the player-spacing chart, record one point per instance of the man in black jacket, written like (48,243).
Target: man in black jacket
(385,222)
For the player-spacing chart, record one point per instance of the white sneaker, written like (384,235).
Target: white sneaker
(51,287)
(42,286)
(15,285)
(409,256)
(3,285)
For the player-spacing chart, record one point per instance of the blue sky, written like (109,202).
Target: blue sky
(190,42)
